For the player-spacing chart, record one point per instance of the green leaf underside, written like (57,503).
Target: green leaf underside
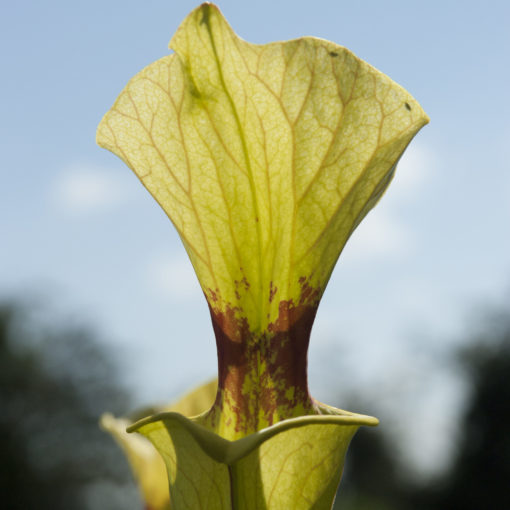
(265,157)
(294,464)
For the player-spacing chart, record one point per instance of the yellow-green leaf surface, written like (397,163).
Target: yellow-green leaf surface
(146,463)
(265,157)
(295,464)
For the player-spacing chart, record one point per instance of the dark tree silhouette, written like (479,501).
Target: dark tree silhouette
(371,480)
(480,474)
(54,384)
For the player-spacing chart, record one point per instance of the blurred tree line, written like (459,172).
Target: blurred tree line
(478,477)
(56,381)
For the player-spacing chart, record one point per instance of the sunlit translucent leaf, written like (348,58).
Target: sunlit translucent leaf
(295,464)
(146,463)
(265,157)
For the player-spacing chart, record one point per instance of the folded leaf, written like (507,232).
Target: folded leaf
(146,463)
(295,464)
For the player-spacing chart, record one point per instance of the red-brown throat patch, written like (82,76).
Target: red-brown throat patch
(262,378)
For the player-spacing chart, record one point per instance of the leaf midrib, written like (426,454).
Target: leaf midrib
(259,310)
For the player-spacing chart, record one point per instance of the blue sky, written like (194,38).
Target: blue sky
(80,233)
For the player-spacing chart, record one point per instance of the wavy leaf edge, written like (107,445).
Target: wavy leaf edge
(229,452)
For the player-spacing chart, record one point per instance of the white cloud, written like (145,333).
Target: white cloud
(380,234)
(86,189)
(413,170)
(173,278)
(383,233)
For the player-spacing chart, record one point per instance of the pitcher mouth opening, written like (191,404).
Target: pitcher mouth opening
(228,452)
